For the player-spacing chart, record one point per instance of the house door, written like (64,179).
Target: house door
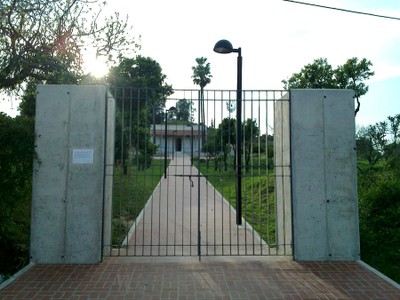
(178,145)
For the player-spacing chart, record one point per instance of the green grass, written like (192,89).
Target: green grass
(258,200)
(132,190)
(130,194)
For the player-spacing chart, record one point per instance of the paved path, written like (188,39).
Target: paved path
(171,222)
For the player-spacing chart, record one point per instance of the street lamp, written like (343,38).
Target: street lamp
(171,109)
(225,47)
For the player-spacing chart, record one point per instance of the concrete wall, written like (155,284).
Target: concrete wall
(324,178)
(68,181)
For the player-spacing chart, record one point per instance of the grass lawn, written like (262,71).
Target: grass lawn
(132,191)
(258,200)
(130,194)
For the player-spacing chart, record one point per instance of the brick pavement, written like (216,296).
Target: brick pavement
(210,278)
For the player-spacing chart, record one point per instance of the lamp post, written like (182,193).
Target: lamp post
(225,47)
(172,108)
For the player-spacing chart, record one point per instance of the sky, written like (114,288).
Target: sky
(277,39)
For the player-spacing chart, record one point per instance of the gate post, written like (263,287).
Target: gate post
(324,177)
(70,193)
(283,206)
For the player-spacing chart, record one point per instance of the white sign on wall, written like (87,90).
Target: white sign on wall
(82,156)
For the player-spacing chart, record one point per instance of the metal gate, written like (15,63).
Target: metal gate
(176,189)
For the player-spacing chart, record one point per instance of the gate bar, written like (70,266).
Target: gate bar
(239,139)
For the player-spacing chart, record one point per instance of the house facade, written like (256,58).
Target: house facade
(177,139)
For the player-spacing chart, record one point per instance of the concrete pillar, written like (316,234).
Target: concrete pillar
(324,177)
(283,207)
(69,185)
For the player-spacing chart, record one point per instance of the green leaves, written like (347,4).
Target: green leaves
(40,39)
(185,110)
(379,190)
(201,72)
(16,158)
(321,75)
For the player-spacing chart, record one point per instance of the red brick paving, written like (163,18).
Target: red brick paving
(212,278)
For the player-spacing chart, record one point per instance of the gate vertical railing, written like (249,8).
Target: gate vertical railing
(179,215)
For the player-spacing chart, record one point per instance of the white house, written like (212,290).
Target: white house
(181,139)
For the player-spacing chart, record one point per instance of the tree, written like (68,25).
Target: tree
(139,87)
(16,159)
(185,110)
(226,139)
(394,123)
(250,133)
(372,142)
(320,74)
(392,151)
(202,77)
(145,78)
(317,75)
(352,75)
(211,148)
(41,38)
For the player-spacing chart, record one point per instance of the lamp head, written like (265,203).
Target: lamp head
(172,108)
(224,47)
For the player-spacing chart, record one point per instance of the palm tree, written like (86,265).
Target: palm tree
(202,77)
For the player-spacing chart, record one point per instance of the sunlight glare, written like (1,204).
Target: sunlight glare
(96,66)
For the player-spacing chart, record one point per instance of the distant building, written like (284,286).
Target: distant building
(181,139)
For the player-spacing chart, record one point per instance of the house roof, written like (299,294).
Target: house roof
(177,130)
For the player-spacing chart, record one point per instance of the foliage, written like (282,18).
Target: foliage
(210,148)
(147,149)
(371,142)
(352,75)
(201,77)
(41,38)
(185,110)
(258,204)
(140,90)
(147,85)
(379,206)
(130,195)
(267,147)
(226,140)
(221,143)
(16,158)
(320,74)
(380,141)
(250,133)
(317,75)
(201,72)
(379,200)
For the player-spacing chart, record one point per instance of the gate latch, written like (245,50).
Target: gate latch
(191,181)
